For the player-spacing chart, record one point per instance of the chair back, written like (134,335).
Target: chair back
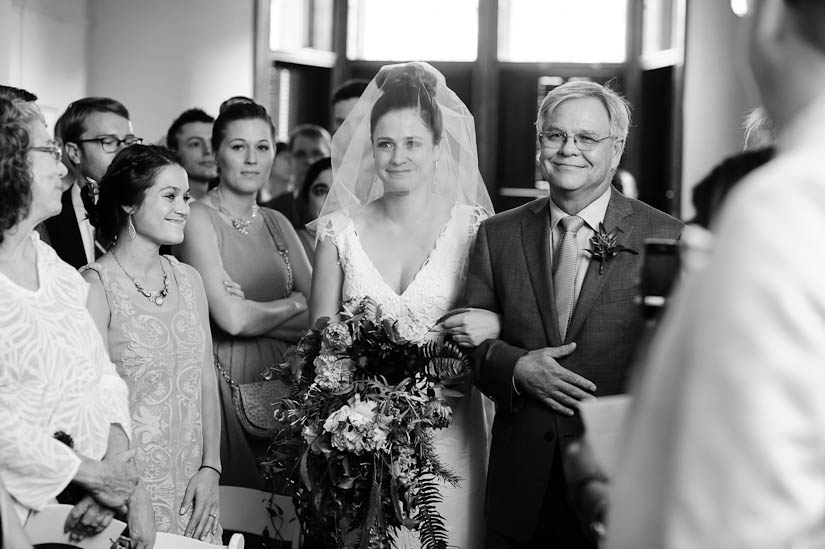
(259,513)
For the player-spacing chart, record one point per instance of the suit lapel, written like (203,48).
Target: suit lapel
(618,214)
(64,233)
(535,234)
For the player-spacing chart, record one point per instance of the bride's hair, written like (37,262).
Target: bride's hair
(408,87)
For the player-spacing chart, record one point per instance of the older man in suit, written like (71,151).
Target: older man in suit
(570,320)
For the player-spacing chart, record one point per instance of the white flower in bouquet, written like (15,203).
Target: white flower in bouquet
(410,330)
(404,466)
(337,337)
(310,433)
(355,427)
(333,373)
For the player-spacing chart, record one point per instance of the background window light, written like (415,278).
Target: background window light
(560,31)
(401,30)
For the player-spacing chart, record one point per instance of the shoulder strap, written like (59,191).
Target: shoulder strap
(283,251)
(274,230)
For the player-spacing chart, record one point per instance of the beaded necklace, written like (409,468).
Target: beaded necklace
(154,297)
(241,224)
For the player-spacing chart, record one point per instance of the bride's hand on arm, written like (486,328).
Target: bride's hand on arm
(327,281)
(240,317)
(471,327)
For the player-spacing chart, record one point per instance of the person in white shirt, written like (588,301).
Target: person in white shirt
(64,417)
(726,444)
(91,131)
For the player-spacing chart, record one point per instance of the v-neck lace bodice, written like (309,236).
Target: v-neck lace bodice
(434,289)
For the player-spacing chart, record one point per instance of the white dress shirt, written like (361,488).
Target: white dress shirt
(726,444)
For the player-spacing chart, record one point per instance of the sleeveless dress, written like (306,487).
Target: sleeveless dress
(434,290)
(159,353)
(251,260)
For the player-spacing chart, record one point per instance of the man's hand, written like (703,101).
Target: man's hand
(202,496)
(539,375)
(87,518)
(141,520)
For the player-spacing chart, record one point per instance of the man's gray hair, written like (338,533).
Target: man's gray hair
(618,109)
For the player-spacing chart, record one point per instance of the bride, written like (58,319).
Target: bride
(397,226)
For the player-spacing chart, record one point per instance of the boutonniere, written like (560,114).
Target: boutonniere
(605,245)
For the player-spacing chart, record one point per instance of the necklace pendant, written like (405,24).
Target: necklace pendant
(159,300)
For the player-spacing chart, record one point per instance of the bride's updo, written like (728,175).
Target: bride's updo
(408,87)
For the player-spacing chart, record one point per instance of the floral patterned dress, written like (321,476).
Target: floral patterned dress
(435,289)
(159,353)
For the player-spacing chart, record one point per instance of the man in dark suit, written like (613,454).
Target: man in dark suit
(570,320)
(308,143)
(92,131)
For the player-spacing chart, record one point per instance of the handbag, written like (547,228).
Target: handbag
(254,402)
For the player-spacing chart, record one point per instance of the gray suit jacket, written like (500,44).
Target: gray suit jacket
(510,274)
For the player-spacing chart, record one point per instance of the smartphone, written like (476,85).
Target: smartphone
(660,270)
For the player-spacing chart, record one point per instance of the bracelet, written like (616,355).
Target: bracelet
(202,467)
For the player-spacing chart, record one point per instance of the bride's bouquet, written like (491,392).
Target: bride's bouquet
(356,442)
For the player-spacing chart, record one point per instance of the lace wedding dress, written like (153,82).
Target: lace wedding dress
(434,290)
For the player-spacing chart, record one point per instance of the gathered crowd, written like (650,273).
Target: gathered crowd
(160,303)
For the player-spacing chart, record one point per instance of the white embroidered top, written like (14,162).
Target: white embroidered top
(436,287)
(55,375)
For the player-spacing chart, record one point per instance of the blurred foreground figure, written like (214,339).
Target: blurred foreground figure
(727,442)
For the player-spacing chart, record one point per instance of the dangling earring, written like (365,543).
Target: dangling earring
(130,228)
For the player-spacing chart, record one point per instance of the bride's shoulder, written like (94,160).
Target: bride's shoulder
(470,215)
(333,225)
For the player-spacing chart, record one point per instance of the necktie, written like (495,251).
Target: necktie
(564,271)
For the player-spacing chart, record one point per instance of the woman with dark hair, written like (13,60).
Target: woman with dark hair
(64,417)
(228,234)
(397,227)
(152,313)
(314,190)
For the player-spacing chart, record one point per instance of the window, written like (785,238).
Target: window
(296,25)
(406,30)
(561,31)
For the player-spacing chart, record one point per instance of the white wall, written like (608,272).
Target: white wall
(718,90)
(43,49)
(160,57)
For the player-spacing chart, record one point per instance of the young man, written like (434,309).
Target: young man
(190,136)
(344,99)
(308,143)
(92,131)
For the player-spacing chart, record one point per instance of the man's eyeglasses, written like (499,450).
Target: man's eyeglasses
(555,139)
(53,150)
(111,143)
